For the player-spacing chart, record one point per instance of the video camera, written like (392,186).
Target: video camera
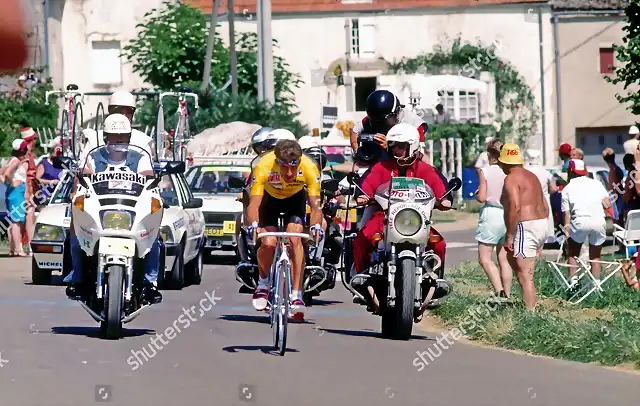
(369,150)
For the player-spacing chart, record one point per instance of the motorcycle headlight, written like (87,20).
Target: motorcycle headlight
(47,232)
(407,222)
(167,235)
(116,220)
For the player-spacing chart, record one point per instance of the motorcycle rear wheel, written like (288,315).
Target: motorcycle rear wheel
(111,327)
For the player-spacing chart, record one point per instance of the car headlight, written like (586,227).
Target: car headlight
(167,235)
(116,220)
(407,222)
(46,232)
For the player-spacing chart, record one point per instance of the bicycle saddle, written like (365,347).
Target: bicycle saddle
(185,89)
(72,87)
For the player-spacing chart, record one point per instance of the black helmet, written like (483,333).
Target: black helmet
(318,155)
(382,104)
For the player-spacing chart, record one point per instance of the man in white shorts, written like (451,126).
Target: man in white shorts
(584,201)
(526,215)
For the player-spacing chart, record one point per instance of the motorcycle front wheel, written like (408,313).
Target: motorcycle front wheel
(397,321)
(111,327)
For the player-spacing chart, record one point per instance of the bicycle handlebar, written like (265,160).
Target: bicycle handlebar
(64,93)
(179,94)
(284,234)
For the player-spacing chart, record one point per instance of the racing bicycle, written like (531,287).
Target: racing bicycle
(182,135)
(280,285)
(72,118)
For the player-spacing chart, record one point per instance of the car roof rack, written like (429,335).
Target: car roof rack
(238,160)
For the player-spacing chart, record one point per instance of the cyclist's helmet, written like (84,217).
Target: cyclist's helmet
(277,135)
(318,155)
(381,105)
(257,139)
(307,142)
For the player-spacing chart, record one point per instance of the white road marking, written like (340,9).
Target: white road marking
(461,244)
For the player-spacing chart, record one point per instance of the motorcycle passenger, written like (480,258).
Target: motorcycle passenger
(278,186)
(403,141)
(120,102)
(117,136)
(383,112)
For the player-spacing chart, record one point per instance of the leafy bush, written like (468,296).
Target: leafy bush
(32,112)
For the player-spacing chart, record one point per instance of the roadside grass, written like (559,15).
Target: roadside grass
(603,330)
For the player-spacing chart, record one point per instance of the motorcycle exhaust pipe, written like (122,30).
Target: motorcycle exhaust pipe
(133,315)
(239,279)
(315,270)
(425,304)
(93,314)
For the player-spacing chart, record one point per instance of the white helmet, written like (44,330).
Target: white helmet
(278,135)
(633,130)
(307,142)
(117,124)
(405,133)
(122,98)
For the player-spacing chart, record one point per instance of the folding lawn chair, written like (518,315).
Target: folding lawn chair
(560,272)
(592,284)
(629,236)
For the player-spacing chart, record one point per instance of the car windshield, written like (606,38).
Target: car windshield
(62,192)
(215,178)
(116,168)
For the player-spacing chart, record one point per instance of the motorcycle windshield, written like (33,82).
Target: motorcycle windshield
(118,169)
(402,188)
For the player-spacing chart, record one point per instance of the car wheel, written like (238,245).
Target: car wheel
(193,270)
(39,276)
(177,273)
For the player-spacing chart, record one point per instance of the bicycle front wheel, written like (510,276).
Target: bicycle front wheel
(77,136)
(280,308)
(64,133)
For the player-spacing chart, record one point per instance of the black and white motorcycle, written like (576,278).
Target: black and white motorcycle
(117,215)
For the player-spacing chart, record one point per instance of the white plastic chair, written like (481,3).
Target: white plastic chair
(629,236)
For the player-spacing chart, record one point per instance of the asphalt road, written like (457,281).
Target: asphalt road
(50,354)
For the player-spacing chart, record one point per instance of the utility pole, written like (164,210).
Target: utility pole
(233,57)
(265,53)
(206,75)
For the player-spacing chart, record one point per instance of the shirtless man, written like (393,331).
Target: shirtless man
(526,215)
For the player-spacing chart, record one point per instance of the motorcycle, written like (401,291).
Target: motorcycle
(320,262)
(402,278)
(117,215)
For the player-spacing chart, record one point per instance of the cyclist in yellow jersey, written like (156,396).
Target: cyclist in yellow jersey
(278,186)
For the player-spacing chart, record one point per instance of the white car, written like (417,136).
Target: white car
(182,232)
(221,209)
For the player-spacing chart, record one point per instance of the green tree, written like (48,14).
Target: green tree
(169,51)
(628,55)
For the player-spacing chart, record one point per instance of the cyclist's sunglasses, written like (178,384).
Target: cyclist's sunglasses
(291,164)
(121,110)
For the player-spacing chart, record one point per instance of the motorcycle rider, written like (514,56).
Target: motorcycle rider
(403,149)
(278,186)
(117,136)
(120,102)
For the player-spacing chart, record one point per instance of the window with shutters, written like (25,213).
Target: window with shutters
(606,60)
(106,63)
(462,105)
(363,38)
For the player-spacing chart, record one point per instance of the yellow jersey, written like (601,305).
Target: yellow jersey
(266,178)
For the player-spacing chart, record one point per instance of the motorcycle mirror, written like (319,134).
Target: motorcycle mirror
(154,184)
(353,178)
(82,181)
(329,184)
(455,184)
(235,182)
(62,162)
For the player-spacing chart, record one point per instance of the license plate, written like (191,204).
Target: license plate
(117,246)
(214,232)
(229,227)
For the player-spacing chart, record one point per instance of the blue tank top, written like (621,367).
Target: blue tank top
(50,173)
(101,160)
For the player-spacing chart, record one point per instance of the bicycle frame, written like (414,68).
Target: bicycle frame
(181,137)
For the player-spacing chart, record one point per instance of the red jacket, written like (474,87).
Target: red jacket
(382,172)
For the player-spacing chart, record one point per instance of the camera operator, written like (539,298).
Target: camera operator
(369,138)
